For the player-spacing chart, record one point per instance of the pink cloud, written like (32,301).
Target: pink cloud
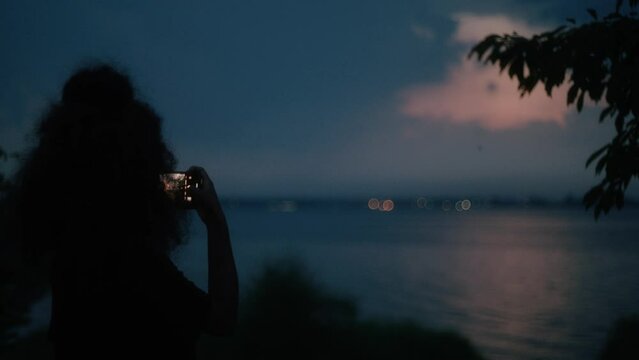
(477,93)
(474,93)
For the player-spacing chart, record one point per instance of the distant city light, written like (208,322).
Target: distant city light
(285,206)
(466,204)
(381,205)
(463,205)
(288,206)
(373,204)
(388,205)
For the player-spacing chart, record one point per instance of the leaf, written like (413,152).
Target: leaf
(619,123)
(495,55)
(592,13)
(517,68)
(528,84)
(548,87)
(619,200)
(596,154)
(601,164)
(480,49)
(572,94)
(592,197)
(580,101)
(605,112)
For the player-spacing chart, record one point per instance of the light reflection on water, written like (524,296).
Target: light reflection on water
(504,283)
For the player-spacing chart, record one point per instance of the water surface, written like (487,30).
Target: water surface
(520,283)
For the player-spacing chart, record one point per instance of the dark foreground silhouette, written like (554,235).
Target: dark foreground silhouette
(284,314)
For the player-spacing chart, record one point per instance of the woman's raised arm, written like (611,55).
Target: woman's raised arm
(223,283)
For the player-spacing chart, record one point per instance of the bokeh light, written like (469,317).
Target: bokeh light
(466,205)
(373,204)
(388,205)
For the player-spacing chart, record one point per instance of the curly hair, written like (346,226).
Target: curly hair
(91,181)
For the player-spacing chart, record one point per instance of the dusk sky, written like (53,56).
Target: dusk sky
(317,98)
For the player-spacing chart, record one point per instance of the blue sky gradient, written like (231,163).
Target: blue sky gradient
(300,98)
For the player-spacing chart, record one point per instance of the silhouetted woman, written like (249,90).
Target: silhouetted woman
(92,206)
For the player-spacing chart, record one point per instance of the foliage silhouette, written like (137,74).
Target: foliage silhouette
(600,59)
(622,340)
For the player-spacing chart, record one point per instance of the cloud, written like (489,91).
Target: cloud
(475,93)
(422,32)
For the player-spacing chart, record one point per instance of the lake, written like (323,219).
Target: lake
(520,283)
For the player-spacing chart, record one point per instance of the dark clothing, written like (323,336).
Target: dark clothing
(129,305)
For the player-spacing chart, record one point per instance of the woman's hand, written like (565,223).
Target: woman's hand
(205,199)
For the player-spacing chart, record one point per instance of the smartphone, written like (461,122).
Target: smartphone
(178,186)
